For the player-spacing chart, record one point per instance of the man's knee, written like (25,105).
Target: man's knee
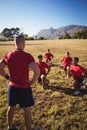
(43,76)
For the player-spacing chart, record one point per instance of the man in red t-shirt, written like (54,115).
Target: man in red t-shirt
(66,61)
(78,73)
(44,70)
(19,89)
(48,56)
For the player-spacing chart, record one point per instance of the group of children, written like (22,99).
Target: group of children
(70,66)
(75,70)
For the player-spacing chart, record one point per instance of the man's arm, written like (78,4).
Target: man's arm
(48,71)
(36,71)
(2,70)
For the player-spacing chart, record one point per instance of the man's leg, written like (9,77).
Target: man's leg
(28,118)
(10,115)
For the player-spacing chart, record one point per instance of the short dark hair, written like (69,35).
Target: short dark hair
(48,49)
(19,38)
(76,58)
(40,56)
(68,53)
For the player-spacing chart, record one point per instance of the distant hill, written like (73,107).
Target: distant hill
(52,33)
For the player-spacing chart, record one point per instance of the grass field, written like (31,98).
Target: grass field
(56,108)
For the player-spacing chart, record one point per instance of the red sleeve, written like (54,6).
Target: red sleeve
(46,65)
(82,69)
(30,58)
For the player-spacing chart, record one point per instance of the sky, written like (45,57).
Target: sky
(33,15)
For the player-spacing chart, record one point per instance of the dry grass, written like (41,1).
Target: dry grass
(56,108)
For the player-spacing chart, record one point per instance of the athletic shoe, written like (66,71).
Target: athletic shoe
(76,92)
(44,87)
(83,86)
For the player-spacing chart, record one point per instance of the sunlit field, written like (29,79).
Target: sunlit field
(56,108)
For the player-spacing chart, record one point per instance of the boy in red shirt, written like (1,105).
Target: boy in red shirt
(48,56)
(66,61)
(78,73)
(44,70)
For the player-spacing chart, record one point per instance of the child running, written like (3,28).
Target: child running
(66,61)
(78,73)
(44,70)
(48,56)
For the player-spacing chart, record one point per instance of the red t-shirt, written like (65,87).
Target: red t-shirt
(48,56)
(66,61)
(77,71)
(18,64)
(42,66)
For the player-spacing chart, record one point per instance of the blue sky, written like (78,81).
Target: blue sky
(33,15)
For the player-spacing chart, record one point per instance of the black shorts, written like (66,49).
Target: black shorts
(21,96)
(39,79)
(79,80)
(65,69)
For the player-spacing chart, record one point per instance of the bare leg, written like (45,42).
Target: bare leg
(43,79)
(28,118)
(76,85)
(67,72)
(10,115)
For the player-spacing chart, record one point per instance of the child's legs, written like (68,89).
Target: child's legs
(65,70)
(43,79)
(48,61)
(77,83)
(39,80)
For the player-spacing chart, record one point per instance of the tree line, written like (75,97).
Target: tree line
(77,35)
(8,35)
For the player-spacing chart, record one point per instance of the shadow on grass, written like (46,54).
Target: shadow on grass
(68,91)
(56,65)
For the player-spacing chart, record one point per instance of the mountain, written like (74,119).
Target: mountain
(52,33)
(46,33)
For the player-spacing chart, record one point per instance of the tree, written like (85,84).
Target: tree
(30,38)
(61,37)
(80,35)
(41,38)
(25,36)
(67,35)
(84,34)
(10,33)
(6,33)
